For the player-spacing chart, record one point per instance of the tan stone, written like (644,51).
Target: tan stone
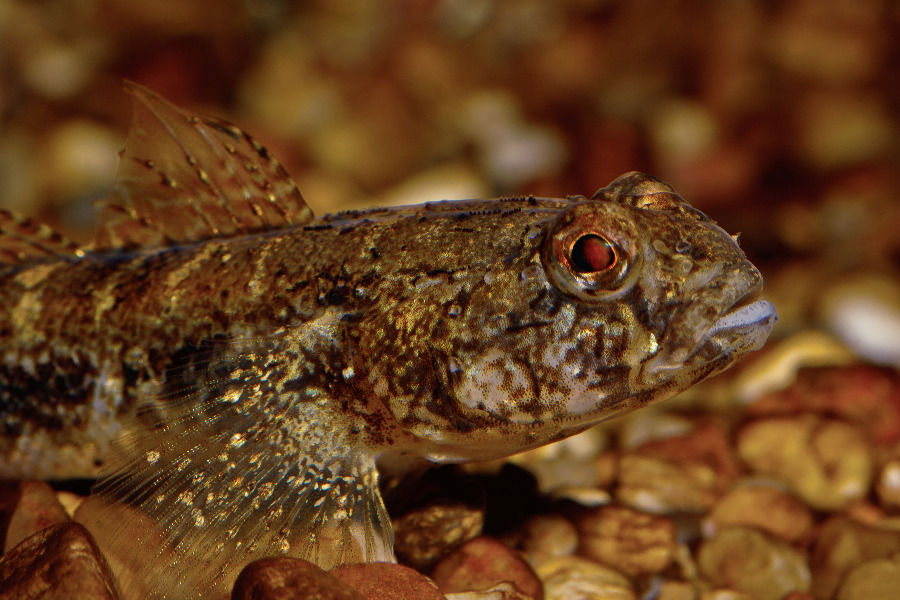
(36,508)
(284,578)
(61,562)
(630,541)
(387,581)
(483,563)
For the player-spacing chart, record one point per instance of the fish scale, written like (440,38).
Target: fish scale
(236,370)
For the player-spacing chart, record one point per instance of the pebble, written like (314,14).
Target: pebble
(826,462)
(887,485)
(725,595)
(705,443)
(283,578)
(762,506)
(387,581)
(843,543)
(638,429)
(427,534)
(630,541)
(864,395)
(676,590)
(37,508)
(872,580)
(864,311)
(576,578)
(659,486)
(749,561)
(566,467)
(57,563)
(543,537)
(781,362)
(512,151)
(482,563)
(501,591)
(83,156)
(841,129)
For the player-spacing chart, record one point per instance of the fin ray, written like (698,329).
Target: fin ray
(184,178)
(248,472)
(24,240)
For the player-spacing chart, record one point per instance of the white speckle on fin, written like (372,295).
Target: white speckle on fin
(184,178)
(252,471)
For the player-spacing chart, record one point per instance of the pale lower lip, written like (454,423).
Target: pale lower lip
(755,320)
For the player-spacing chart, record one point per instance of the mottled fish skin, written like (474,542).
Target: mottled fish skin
(239,371)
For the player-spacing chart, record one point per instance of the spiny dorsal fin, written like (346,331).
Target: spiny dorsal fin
(185,178)
(240,468)
(24,240)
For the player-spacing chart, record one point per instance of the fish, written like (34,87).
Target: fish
(240,372)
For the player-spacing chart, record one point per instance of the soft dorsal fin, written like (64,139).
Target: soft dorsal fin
(24,240)
(185,178)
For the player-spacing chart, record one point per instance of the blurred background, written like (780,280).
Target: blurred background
(779,119)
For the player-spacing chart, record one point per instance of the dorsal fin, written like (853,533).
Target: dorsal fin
(24,240)
(185,178)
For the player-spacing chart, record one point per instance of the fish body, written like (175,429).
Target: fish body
(238,367)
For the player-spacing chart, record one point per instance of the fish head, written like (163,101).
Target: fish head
(632,296)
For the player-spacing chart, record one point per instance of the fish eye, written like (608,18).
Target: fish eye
(592,253)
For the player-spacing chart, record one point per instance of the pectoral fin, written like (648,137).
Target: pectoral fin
(252,472)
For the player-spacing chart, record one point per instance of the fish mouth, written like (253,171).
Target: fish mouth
(745,326)
(716,343)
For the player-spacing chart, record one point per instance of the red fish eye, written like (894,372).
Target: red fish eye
(591,254)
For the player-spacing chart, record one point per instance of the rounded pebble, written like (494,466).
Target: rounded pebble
(659,486)
(872,580)
(824,461)
(843,543)
(749,561)
(482,563)
(284,578)
(37,508)
(575,578)
(427,534)
(888,484)
(763,507)
(387,581)
(630,541)
(547,536)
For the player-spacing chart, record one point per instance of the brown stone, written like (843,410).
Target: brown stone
(425,535)
(284,578)
(826,462)
(630,541)
(60,562)
(547,536)
(387,581)
(706,444)
(873,580)
(481,564)
(571,577)
(865,395)
(761,506)
(842,544)
(37,508)
(659,486)
(749,561)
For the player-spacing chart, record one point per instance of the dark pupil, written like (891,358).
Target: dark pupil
(591,253)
